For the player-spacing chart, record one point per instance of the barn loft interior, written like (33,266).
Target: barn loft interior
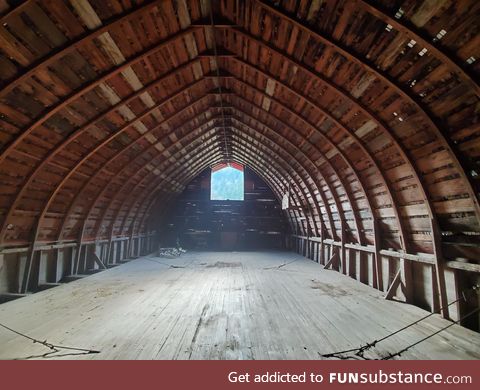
(239,179)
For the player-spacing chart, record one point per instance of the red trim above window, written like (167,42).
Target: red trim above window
(225,165)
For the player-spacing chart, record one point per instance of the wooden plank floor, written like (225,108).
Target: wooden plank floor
(221,305)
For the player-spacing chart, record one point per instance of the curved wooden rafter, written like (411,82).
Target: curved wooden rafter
(293,157)
(199,164)
(86,88)
(173,171)
(286,164)
(358,179)
(76,134)
(72,45)
(391,83)
(122,151)
(204,138)
(269,180)
(254,158)
(97,148)
(185,177)
(350,133)
(79,193)
(424,41)
(326,160)
(432,219)
(46,206)
(103,120)
(272,179)
(149,162)
(328,142)
(114,177)
(433,222)
(392,203)
(324,200)
(356,104)
(283,172)
(305,190)
(197,132)
(266,151)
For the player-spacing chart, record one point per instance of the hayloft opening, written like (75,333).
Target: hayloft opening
(227,182)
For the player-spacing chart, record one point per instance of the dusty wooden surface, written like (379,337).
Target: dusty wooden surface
(222,305)
(366,110)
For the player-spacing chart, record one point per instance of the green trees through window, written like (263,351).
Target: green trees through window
(227,183)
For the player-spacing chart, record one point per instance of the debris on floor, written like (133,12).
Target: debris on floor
(170,253)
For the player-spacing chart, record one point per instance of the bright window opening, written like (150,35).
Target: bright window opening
(227,182)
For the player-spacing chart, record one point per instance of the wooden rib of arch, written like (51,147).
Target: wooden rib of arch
(392,202)
(243,94)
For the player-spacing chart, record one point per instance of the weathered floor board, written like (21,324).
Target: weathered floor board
(221,305)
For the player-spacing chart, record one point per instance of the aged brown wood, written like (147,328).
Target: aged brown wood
(418,37)
(108,109)
(386,79)
(73,45)
(66,101)
(96,149)
(77,133)
(404,154)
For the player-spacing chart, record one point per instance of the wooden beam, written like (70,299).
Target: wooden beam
(77,133)
(282,166)
(345,158)
(291,156)
(298,150)
(387,79)
(72,45)
(424,258)
(256,155)
(462,266)
(423,40)
(98,147)
(421,186)
(98,261)
(332,262)
(151,191)
(402,151)
(99,172)
(199,166)
(88,87)
(394,285)
(133,188)
(188,175)
(350,132)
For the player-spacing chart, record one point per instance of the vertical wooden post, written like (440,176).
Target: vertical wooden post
(322,245)
(109,250)
(439,270)
(377,257)
(28,269)
(407,279)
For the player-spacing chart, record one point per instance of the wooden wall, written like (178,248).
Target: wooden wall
(54,264)
(367,110)
(200,223)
